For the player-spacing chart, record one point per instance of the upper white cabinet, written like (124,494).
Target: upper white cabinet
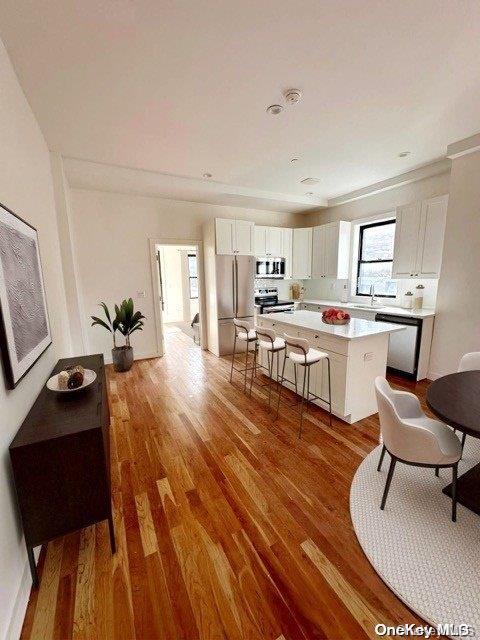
(260,243)
(234,237)
(287,246)
(331,250)
(419,232)
(302,253)
(268,241)
(432,231)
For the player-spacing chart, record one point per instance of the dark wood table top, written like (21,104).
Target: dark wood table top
(59,414)
(455,399)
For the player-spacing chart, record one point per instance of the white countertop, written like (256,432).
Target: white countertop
(397,311)
(356,328)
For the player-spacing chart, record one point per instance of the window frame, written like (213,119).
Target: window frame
(378,223)
(190,278)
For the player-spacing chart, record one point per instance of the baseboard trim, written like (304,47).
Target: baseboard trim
(21,601)
(139,356)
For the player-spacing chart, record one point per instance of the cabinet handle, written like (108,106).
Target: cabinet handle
(316,335)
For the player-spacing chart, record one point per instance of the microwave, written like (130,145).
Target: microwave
(270,268)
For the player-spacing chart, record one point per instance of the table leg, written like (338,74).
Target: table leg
(33,566)
(468,489)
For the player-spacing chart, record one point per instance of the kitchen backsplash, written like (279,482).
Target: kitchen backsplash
(330,289)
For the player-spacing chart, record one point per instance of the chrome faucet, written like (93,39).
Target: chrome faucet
(372,295)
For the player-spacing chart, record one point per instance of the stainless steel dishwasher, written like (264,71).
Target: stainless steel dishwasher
(404,346)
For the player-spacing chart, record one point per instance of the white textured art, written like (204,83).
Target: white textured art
(18,255)
(430,562)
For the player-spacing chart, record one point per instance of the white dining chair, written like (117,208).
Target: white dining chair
(413,438)
(468,362)
(243,333)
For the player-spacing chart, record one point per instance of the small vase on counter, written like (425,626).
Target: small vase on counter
(418,298)
(408,300)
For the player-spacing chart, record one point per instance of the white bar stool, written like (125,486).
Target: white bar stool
(244,333)
(301,354)
(272,344)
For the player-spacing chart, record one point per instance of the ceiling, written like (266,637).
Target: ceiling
(181,88)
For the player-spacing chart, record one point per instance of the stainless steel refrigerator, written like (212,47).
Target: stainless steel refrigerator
(235,284)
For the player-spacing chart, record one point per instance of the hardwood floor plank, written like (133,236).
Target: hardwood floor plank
(228,526)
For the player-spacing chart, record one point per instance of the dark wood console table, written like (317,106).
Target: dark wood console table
(61,461)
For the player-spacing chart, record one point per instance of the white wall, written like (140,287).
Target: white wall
(111,233)
(26,188)
(378,204)
(457,324)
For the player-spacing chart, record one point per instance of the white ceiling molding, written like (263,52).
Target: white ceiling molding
(429,170)
(84,174)
(464,147)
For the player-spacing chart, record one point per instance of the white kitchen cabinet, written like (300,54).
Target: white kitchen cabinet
(234,237)
(331,250)
(260,235)
(432,231)
(286,252)
(274,241)
(419,232)
(302,253)
(268,241)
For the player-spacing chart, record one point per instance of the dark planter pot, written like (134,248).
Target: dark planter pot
(122,358)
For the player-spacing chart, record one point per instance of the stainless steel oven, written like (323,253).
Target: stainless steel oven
(270,267)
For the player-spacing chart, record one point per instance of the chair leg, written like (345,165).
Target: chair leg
(281,383)
(246,367)
(464,437)
(302,402)
(382,455)
(233,356)
(437,470)
(254,367)
(295,374)
(270,375)
(454,492)
(393,462)
(329,391)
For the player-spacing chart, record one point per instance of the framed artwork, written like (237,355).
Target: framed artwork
(24,324)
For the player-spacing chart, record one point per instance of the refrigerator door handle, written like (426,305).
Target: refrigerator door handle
(233,287)
(236,288)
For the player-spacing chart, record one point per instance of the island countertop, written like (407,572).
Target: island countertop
(355,329)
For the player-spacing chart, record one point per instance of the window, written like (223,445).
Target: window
(375,259)
(193,275)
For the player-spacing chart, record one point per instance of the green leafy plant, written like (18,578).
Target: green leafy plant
(110,325)
(128,320)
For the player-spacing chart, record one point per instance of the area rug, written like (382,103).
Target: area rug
(428,561)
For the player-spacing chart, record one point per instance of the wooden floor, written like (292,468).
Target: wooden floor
(227,525)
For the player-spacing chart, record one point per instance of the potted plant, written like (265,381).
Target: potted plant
(126,321)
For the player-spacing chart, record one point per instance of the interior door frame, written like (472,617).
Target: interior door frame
(198,244)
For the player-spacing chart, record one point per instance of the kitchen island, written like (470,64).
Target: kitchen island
(357,351)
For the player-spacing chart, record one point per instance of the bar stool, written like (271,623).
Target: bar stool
(273,345)
(301,354)
(244,333)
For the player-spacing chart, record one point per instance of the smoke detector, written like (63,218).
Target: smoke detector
(310,181)
(292,96)
(274,109)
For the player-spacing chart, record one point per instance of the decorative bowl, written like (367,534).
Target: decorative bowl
(89,377)
(336,321)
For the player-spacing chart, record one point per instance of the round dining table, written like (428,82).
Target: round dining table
(455,400)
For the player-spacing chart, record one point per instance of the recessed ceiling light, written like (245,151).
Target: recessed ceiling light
(403,154)
(295,159)
(207,175)
(274,109)
(293,96)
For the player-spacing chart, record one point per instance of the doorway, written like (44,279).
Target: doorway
(179,301)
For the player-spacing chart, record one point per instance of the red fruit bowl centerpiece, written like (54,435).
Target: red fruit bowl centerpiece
(335,316)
